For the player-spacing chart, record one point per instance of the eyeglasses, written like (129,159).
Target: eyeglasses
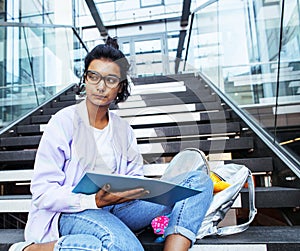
(94,78)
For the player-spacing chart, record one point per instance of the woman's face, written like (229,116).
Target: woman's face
(100,94)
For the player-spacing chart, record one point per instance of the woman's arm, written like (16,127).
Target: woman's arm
(50,187)
(134,157)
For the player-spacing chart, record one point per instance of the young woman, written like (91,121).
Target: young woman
(88,136)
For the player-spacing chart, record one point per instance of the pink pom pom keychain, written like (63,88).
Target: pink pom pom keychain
(159,224)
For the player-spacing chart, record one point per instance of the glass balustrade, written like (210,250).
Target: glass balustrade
(36,63)
(251,51)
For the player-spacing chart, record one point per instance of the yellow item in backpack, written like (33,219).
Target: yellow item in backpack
(219,184)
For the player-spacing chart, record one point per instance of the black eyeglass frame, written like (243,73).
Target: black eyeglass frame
(107,84)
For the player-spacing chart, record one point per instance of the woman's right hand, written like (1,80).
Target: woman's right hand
(105,198)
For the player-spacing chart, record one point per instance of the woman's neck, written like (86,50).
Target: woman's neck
(98,116)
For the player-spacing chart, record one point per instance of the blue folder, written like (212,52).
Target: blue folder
(161,192)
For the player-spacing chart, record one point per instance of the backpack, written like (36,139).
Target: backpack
(237,176)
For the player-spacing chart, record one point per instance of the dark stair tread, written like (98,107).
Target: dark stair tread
(161,106)
(273,197)
(204,117)
(61,104)
(170,148)
(275,238)
(161,79)
(261,164)
(50,111)
(40,119)
(173,100)
(212,146)
(23,141)
(168,131)
(28,129)
(253,235)
(196,129)
(265,197)
(159,120)
(209,106)
(67,97)
(17,156)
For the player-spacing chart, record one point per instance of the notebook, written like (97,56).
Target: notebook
(161,192)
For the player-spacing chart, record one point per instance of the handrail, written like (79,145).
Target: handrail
(34,25)
(79,38)
(15,122)
(203,6)
(189,40)
(278,70)
(278,150)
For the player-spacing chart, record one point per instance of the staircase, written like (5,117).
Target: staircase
(169,114)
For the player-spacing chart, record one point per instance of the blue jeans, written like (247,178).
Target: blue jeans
(112,228)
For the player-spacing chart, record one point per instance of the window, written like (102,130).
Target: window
(150,3)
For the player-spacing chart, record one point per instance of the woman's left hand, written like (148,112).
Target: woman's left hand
(105,198)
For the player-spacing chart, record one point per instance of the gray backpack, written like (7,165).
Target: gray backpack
(237,176)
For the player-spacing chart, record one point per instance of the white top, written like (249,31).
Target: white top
(106,156)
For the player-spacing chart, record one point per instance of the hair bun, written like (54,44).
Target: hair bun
(112,42)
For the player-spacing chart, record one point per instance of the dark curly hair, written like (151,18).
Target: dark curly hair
(110,50)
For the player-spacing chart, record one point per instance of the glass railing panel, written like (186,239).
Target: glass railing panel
(287,109)
(13,99)
(237,45)
(203,49)
(37,62)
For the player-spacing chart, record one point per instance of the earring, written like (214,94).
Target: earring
(80,87)
(82,90)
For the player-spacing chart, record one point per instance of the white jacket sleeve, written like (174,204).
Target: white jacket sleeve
(51,189)
(135,159)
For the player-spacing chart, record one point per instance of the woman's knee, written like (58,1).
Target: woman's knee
(78,242)
(200,180)
(111,231)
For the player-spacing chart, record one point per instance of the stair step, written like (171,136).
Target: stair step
(212,146)
(265,197)
(23,141)
(68,97)
(166,100)
(161,79)
(29,129)
(273,197)
(190,117)
(17,157)
(256,165)
(167,131)
(62,104)
(147,149)
(262,238)
(203,130)
(150,121)
(40,119)
(154,110)
(176,88)
(50,111)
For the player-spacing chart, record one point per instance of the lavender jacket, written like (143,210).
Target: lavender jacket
(67,149)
